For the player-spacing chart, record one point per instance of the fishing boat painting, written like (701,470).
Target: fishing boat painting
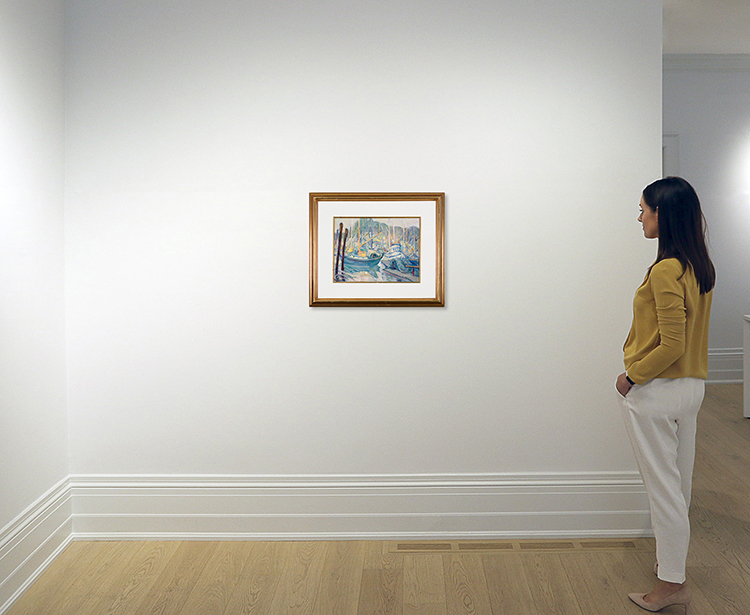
(376,250)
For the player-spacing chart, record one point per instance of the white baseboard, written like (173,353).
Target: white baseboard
(725,366)
(359,507)
(32,541)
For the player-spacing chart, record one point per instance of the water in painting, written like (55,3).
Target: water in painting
(376,249)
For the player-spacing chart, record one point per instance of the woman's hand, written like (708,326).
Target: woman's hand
(622,385)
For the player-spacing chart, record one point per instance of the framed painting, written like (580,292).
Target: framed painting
(377,249)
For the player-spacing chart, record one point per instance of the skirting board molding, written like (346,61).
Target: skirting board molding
(32,541)
(359,507)
(725,366)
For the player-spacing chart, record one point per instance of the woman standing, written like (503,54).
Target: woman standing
(666,362)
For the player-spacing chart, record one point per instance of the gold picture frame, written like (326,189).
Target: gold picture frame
(377,249)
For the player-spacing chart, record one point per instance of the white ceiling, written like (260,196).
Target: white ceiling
(706,26)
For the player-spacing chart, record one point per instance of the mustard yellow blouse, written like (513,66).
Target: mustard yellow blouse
(669,334)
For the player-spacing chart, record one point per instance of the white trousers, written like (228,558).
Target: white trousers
(661,417)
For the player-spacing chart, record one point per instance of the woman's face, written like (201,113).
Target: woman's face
(649,218)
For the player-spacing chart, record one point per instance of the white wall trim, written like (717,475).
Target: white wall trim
(30,542)
(725,366)
(706,61)
(359,507)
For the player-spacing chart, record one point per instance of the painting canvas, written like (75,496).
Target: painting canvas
(377,249)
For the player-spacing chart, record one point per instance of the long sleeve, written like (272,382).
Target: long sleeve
(669,334)
(669,303)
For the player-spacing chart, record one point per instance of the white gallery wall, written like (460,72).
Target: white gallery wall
(195,132)
(33,423)
(707,118)
(33,441)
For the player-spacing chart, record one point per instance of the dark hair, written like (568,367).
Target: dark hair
(682,228)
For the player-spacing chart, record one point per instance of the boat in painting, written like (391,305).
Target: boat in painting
(360,263)
(394,258)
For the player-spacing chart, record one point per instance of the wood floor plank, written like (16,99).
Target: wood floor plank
(722,440)
(507,585)
(720,476)
(728,538)
(260,577)
(550,585)
(341,578)
(465,585)
(627,572)
(302,571)
(700,602)
(704,541)
(97,586)
(725,593)
(726,403)
(148,565)
(425,609)
(379,557)
(719,471)
(374,551)
(592,585)
(424,584)
(177,580)
(214,589)
(128,579)
(47,592)
(381,591)
(633,572)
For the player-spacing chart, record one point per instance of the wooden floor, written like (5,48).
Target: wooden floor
(491,577)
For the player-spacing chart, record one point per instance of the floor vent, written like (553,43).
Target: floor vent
(484,546)
(423,546)
(522,546)
(547,546)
